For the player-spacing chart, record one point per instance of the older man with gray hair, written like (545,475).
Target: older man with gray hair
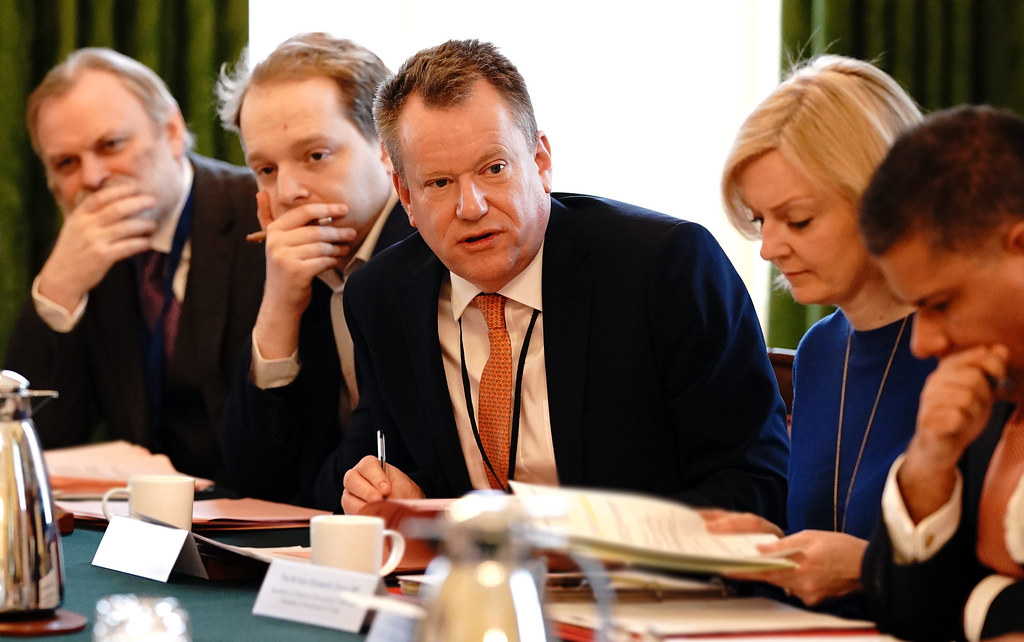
(150,290)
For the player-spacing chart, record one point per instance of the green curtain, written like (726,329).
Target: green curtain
(944,52)
(185,41)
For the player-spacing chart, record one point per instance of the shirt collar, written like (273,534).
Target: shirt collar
(163,237)
(365,252)
(335,278)
(525,288)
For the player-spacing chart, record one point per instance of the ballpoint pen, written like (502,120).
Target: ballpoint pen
(381,454)
(260,236)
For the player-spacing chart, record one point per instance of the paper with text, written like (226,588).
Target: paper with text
(642,529)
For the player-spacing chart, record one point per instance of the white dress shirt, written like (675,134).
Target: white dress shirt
(535,453)
(62,320)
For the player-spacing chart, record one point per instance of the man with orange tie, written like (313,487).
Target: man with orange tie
(944,214)
(544,337)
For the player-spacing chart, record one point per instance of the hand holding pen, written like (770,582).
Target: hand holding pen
(296,252)
(373,479)
(381,452)
(260,236)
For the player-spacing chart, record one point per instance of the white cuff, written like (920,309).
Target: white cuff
(981,598)
(917,542)
(273,373)
(54,315)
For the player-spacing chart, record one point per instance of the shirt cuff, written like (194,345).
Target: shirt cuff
(917,542)
(981,598)
(273,373)
(54,315)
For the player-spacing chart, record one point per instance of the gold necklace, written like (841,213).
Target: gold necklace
(867,430)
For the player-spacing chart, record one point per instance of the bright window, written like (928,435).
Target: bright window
(640,100)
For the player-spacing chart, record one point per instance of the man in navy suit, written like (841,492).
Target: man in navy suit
(944,214)
(153,237)
(629,351)
(326,203)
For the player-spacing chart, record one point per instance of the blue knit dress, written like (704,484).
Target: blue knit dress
(818,383)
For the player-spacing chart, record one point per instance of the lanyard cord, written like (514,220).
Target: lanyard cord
(516,402)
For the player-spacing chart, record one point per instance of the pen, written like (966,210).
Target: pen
(381,454)
(1003,385)
(259,237)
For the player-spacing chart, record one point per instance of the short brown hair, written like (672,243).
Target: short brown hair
(443,76)
(139,79)
(356,70)
(957,179)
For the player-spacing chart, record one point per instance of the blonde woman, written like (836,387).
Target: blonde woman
(793,180)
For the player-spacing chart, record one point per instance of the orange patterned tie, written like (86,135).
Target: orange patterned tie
(495,412)
(1004,471)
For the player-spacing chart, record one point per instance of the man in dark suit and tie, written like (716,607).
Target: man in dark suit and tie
(550,338)
(944,214)
(304,115)
(148,294)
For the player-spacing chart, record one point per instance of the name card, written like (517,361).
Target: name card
(311,594)
(148,550)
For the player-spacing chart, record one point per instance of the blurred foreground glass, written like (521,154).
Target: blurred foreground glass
(489,593)
(129,618)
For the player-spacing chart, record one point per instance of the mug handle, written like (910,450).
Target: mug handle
(397,551)
(111,493)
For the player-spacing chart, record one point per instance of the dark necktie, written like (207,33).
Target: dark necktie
(153,294)
(495,394)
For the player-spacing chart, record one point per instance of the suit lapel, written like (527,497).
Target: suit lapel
(419,328)
(120,335)
(567,287)
(209,282)
(396,228)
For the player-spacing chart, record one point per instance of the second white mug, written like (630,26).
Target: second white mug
(354,543)
(167,498)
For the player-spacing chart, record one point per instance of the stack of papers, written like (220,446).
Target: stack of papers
(643,531)
(89,471)
(703,616)
(212,514)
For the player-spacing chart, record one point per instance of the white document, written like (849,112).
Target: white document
(642,529)
(704,616)
(311,594)
(88,471)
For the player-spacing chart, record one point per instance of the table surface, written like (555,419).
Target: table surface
(218,610)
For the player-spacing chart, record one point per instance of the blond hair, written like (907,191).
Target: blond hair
(834,119)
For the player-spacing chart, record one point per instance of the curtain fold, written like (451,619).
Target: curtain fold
(943,52)
(185,41)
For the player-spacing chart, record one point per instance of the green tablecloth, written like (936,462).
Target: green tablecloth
(218,610)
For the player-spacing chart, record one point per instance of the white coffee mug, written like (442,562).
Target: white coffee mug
(167,498)
(354,543)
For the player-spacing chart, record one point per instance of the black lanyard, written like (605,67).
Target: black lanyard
(516,403)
